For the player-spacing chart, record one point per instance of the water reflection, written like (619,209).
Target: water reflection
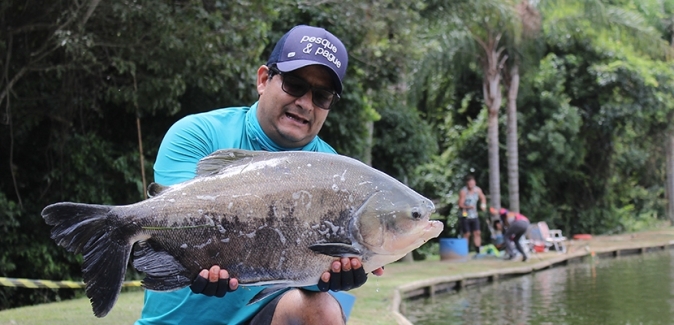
(627,290)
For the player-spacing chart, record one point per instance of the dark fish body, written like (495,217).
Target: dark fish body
(268,218)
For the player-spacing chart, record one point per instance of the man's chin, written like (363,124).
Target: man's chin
(294,138)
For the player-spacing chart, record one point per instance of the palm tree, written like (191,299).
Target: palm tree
(531,23)
(668,24)
(484,23)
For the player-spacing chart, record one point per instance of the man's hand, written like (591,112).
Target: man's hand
(214,282)
(345,274)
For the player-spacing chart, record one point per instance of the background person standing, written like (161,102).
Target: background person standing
(469,223)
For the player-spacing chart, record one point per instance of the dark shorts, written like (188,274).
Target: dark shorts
(265,315)
(468,225)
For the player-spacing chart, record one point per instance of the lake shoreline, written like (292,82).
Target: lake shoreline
(579,250)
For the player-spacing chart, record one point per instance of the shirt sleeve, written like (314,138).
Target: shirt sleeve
(185,143)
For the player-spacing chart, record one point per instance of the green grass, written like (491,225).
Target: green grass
(373,304)
(75,311)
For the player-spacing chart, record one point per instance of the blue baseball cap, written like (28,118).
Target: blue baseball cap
(306,45)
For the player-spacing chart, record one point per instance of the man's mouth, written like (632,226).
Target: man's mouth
(296,118)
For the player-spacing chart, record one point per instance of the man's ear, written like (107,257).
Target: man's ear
(262,79)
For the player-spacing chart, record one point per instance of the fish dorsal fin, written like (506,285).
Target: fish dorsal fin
(155,189)
(220,159)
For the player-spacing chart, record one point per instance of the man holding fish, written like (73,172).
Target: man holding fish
(297,87)
(251,210)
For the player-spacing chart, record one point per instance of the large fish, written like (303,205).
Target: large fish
(276,219)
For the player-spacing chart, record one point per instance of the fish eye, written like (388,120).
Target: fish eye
(416,214)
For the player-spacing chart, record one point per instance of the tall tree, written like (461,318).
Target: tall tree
(669,188)
(486,23)
(531,23)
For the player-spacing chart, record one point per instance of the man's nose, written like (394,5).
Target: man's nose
(306,101)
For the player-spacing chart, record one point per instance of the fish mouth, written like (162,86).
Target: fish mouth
(432,224)
(297,118)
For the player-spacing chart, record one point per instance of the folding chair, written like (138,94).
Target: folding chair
(552,237)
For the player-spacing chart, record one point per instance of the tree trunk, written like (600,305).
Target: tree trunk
(669,188)
(491,88)
(511,140)
(494,174)
(669,152)
(367,151)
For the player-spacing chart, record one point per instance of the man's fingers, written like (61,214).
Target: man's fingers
(214,274)
(359,277)
(211,289)
(347,263)
(336,280)
(347,280)
(324,282)
(222,287)
(199,283)
(345,274)
(233,284)
(214,282)
(379,271)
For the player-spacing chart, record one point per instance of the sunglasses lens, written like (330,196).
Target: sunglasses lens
(322,98)
(295,86)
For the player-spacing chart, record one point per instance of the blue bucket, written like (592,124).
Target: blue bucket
(453,248)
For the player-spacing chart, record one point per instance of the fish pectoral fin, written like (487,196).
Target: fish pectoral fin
(267,292)
(220,159)
(163,271)
(336,249)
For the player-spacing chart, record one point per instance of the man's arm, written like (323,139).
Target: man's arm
(462,199)
(483,200)
(185,143)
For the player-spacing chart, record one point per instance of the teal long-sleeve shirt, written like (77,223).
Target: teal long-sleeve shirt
(185,143)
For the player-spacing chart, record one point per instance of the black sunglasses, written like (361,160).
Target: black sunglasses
(297,87)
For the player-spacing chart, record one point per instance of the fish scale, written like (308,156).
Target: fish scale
(268,218)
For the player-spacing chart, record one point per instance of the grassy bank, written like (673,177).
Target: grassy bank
(373,305)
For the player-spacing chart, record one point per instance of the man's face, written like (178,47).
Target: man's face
(470,184)
(289,121)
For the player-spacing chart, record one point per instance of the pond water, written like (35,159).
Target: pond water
(636,289)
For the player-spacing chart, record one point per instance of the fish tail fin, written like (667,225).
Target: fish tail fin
(96,232)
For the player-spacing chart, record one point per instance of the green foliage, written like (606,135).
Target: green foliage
(592,112)
(590,109)
(77,75)
(69,118)
(595,96)
(403,140)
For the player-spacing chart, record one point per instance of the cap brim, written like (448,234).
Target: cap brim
(296,64)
